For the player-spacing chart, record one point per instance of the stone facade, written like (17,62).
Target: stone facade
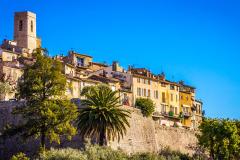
(25,33)
(144,135)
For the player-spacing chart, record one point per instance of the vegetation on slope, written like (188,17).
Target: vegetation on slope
(47,114)
(146,105)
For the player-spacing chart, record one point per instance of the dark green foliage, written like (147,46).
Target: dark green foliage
(102,117)
(146,105)
(47,113)
(220,137)
(171,113)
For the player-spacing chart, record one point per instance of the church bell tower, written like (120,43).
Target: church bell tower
(25,30)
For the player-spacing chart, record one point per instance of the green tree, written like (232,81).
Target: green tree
(220,137)
(146,105)
(102,117)
(47,113)
(4,87)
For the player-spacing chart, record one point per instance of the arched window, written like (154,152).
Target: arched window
(20,25)
(31,26)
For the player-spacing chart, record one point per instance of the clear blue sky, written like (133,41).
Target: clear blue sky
(197,41)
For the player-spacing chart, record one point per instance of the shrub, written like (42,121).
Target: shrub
(90,153)
(20,156)
(95,152)
(146,105)
(174,155)
(63,154)
(146,156)
(104,153)
(171,114)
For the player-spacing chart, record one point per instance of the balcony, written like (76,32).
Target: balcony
(170,115)
(157,115)
(187,114)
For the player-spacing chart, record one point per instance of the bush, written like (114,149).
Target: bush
(20,156)
(174,155)
(146,105)
(63,154)
(104,153)
(146,156)
(90,153)
(171,114)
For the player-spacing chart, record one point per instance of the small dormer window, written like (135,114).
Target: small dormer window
(80,62)
(20,25)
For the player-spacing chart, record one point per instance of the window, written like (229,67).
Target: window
(176,110)
(149,93)
(149,82)
(144,92)
(139,91)
(163,108)
(171,97)
(31,26)
(138,80)
(187,98)
(200,110)
(80,61)
(163,85)
(172,87)
(146,81)
(176,98)
(156,94)
(20,25)
(172,109)
(185,109)
(163,97)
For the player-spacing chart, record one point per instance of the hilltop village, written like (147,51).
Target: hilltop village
(175,102)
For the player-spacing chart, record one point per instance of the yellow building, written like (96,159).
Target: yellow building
(187,99)
(145,85)
(163,93)
(172,95)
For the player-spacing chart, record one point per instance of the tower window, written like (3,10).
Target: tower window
(31,26)
(20,25)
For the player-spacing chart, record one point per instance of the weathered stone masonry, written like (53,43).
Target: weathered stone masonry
(144,135)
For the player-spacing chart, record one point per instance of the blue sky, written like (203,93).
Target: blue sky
(197,41)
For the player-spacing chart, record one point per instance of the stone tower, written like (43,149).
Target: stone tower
(25,30)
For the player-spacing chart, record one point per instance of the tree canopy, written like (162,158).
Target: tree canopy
(102,117)
(146,105)
(221,138)
(47,113)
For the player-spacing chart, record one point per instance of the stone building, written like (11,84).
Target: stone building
(25,30)
(175,102)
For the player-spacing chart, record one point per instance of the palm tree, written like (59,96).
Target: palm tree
(102,117)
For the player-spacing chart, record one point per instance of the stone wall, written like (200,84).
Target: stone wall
(140,137)
(144,135)
(147,135)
